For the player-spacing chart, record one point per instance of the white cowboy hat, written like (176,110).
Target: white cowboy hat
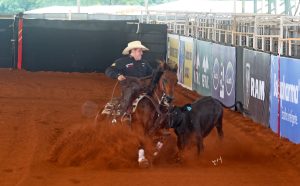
(133,45)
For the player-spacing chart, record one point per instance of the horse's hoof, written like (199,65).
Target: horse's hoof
(166,133)
(178,160)
(144,163)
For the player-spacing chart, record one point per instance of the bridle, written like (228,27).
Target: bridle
(164,102)
(165,99)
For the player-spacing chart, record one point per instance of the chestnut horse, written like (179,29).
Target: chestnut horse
(151,110)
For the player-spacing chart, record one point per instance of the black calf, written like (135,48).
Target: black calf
(199,118)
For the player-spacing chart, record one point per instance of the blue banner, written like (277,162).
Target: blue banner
(223,74)
(289,97)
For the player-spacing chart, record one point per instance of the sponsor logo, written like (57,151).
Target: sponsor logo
(222,78)
(205,77)
(196,71)
(188,55)
(187,72)
(247,85)
(229,80)
(257,88)
(288,92)
(216,69)
(289,117)
(174,52)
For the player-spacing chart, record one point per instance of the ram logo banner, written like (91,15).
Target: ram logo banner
(256,85)
(173,50)
(257,89)
(289,97)
(223,73)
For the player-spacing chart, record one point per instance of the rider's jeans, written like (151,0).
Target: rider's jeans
(130,90)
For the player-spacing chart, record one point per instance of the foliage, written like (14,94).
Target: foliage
(15,6)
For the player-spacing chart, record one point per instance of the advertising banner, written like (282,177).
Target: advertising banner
(289,97)
(223,74)
(173,49)
(188,61)
(180,71)
(256,85)
(202,67)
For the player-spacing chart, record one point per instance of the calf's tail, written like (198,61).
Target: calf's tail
(238,106)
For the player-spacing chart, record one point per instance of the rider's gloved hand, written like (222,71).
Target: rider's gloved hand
(121,77)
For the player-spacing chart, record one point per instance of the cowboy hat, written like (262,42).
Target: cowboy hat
(133,45)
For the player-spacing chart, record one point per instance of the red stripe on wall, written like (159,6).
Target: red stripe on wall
(20,43)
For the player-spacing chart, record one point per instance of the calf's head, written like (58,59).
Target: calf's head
(177,115)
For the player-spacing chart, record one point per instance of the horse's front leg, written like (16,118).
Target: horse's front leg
(152,124)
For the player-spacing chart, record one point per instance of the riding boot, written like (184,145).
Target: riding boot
(125,110)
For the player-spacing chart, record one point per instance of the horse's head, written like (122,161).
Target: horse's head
(167,81)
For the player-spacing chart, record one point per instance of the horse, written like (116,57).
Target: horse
(152,109)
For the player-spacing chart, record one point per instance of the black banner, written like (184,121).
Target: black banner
(6,35)
(239,90)
(85,46)
(256,85)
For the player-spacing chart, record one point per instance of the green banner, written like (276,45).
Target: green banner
(202,71)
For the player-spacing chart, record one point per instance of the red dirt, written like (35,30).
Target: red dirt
(45,140)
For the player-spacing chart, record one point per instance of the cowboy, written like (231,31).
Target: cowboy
(131,65)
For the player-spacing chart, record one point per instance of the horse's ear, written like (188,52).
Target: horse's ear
(161,64)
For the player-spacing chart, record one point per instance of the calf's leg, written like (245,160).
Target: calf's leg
(180,146)
(219,126)
(199,141)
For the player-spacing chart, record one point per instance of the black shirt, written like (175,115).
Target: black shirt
(128,66)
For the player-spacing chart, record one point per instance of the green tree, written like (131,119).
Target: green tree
(15,6)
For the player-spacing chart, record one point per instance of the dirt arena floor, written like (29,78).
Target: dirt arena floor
(45,140)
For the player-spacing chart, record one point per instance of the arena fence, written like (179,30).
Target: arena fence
(232,74)
(75,45)
(6,49)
